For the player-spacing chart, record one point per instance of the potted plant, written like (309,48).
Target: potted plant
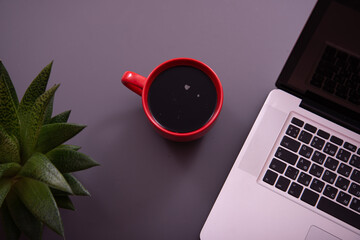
(35,162)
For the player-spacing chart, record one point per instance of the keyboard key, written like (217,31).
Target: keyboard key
(277,165)
(329,84)
(305,151)
(343,155)
(270,177)
(329,176)
(342,183)
(317,185)
(355,161)
(350,146)
(330,149)
(344,170)
(316,170)
(336,140)
(309,197)
(354,189)
(310,128)
(339,212)
(292,131)
(318,157)
(304,179)
(305,137)
(290,144)
(282,183)
(355,176)
(355,205)
(303,164)
(286,155)
(323,134)
(343,198)
(342,91)
(317,143)
(297,122)
(330,191)
(331,163)
(291,172)
(295,189)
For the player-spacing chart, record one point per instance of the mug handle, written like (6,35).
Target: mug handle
(134,82)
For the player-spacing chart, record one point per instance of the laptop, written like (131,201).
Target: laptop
(297,175)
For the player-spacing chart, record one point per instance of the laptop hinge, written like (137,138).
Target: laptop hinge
(334,113)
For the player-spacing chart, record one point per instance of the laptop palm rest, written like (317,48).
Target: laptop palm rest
(266,129)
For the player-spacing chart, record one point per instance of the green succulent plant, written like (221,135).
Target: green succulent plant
(35,162)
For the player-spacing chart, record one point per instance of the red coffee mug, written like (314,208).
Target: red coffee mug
(141,86)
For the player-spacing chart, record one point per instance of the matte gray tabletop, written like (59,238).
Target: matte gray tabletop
(148,187)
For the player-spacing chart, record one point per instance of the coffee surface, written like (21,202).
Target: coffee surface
(182,99)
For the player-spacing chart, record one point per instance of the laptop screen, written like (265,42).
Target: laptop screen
(325,63)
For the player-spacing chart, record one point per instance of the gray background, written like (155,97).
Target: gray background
(148,187)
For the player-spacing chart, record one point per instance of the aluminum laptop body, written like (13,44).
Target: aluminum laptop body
(297,175)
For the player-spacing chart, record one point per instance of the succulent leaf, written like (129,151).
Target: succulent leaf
(12,232)
(76,186)
(35,90)
(37,197)
(9,148)
(23,218)
(56,192)
(9,84)
(8,108)
(48,111)
(61,117)
(5,186)
(32,186)
(32,122)
(69,160)
(64,202)
(9,169)
(69,147)
(40,168)
(53,135)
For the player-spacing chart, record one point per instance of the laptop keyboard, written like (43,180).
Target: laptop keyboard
(320,169)
(338,73)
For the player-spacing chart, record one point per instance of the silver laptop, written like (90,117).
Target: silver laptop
(297,175)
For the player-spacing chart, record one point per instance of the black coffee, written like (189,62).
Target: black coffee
(182,99)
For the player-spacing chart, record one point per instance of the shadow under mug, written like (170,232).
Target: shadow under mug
(141,85)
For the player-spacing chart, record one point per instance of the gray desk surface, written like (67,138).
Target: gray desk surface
(148,187)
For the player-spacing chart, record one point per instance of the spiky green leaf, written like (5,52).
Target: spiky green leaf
(22,217)
(9,169)
(69,160)
(9,84)
(8,108)
(64,202)
(69,147)
(5,186)
(35,90)
(56,192)
(76,186)
(12,232)
(53,135)
(48,111)
(9,148)
(40,168)
(32,122)
(61,117)
(37,197)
